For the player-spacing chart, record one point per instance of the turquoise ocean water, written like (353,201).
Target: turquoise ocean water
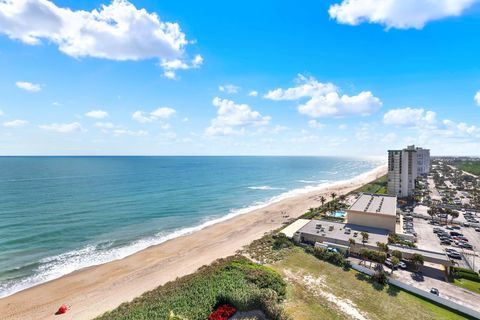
(60,214)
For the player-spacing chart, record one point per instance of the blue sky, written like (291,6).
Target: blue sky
(179,77)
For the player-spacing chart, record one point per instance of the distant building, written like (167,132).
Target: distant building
(423,161)
(375,211)
(404,166)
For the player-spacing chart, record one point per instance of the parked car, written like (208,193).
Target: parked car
(434,291)
(466,245)
(389,264)
(454,233)
(446,242)
(477,229)
(454,255)
(402,265)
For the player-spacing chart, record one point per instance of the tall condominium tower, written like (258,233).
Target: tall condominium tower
(423,161)
(403,170)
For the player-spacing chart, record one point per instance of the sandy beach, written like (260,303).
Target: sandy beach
(92,291)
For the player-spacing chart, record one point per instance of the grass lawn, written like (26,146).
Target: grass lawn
(472,167)
(467,284)
(319,290)
(377,186)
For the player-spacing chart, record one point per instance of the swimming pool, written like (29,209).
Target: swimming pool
(339,214)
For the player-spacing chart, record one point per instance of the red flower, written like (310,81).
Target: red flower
(223,312)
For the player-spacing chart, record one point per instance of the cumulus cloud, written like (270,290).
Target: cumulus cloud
(160,113)
(15,123)
(117,31)
(324,100)
(400,14)
(234,118)
(253,93)
(1,113)
(63,127)
(410,117)
(229,88)
(170,66)
(28,86)
(97,114)
(477,98)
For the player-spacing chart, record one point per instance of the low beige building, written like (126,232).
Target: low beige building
(374,210)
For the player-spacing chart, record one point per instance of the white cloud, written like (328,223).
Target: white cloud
(117,31)
(170,66)
(15,123)
(229,88)
(253,93)
(28,86)
(1,113)
(160,113)
(410,117)
(400,14)
(63,127)
(56,104)
(324,100)
(97,114)
(104,125)
(234,118)
(477,98)
(126,132)
(307,87)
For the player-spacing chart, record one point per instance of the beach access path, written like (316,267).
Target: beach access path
(92,291)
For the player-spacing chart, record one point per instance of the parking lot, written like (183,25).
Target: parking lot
(428,240)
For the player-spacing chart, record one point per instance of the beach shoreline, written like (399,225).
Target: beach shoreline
(94,290)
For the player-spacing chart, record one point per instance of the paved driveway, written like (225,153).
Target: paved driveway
(447,290)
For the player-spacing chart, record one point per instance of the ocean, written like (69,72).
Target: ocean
(61,214)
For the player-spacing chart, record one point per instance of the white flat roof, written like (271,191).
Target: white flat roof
(290,230)
(375,203)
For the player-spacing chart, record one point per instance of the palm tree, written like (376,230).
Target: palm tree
(323,200)
(382,246)
(342,198)
(447,212)
(333,195)
(454,214)
(364,254)
(431,212)
(397,254)
(395,261)
(351,241)
(417,260)
(364,237)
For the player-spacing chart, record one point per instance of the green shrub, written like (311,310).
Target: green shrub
(464,270)
(329,256)
(235,280)
(280,241)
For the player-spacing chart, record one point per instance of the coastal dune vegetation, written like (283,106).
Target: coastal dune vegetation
(234,281)
(280,280)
